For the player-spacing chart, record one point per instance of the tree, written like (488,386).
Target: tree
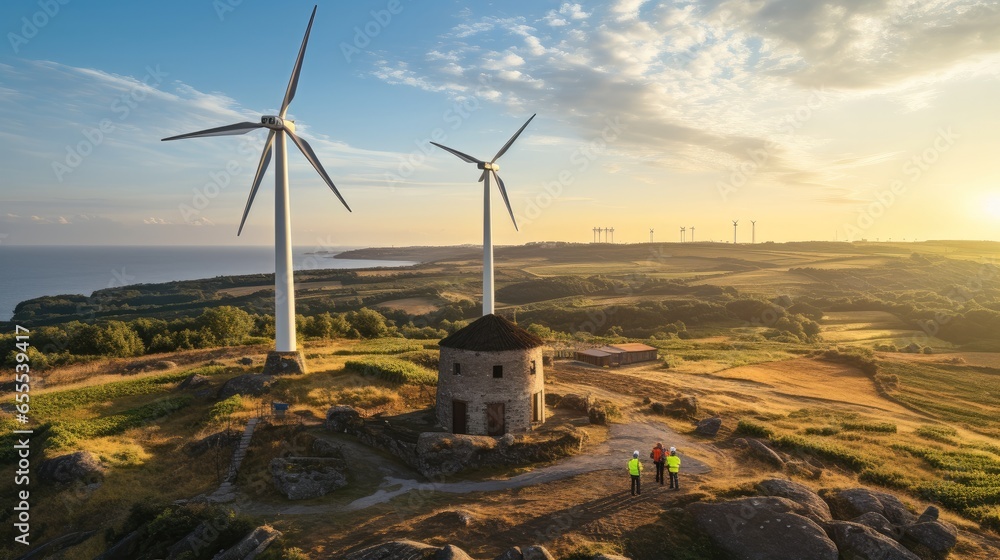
(119,340)
(226,325)
(368,322)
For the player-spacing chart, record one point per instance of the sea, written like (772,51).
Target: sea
(28,272)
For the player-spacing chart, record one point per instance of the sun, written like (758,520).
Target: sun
(991,204)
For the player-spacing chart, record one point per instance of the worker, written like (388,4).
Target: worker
(659,457)
(673,467)
(634,470)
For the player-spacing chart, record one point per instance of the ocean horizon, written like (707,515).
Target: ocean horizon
(32,271)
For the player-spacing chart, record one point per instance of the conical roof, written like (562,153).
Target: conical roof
(491,333)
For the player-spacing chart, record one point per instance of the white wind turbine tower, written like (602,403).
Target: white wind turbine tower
(692,233)
(650,235)
(753,231)
(489,168)
(683,236)
(734,230)
(286,357)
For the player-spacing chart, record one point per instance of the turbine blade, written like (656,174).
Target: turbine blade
(464,157)
(483,176)
(511,141)
(228,130)
(293,82)
(307,151)
(503,191)
(265,159)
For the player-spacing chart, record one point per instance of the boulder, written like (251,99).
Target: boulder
(709,426)
(934,539)
(246,361)
(302,478)
(858,542)
(930,514)
(82,466)
(251,545)
(850,503)
(193,381)
(395,550)
(536,553)
(452,552)
(741,443)
(552,399)
(575,402)
(879,523)
(340,418)
(512,553)
(248,384)
(217,440)
(761,451)
(683,406)
(192,544)
(763,528)
(801,494)
(164,365)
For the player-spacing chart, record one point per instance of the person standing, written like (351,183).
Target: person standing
(634,470)
(674,467)
(659,457)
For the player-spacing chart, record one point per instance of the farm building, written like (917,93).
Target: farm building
(490,379)
(617,354)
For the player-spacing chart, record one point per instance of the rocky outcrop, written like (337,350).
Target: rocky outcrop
(193,381)
(792,521)
(245,361)
(80,466)
(251,545)
(850,503)
(763,528)
(248,384)
(598,415)
(536,553)
(302,478)
(452,552)
(858,542)
(761,451)
(395,550)
(932,539)
(709,427)
(442,454)
(816,508)
(683,406)
(343,418)
(218,440)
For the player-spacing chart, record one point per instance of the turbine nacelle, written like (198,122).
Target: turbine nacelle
(276,123)
(487,165)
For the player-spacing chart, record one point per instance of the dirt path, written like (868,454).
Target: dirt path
(609,455)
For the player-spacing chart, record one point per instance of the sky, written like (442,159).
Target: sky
(858,119)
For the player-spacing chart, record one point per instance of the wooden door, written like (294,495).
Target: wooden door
(495,421)
(458,417)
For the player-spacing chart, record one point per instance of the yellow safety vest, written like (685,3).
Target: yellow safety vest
(634,467)
(673,463)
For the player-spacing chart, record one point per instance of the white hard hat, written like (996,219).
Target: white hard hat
(673,449)
(635,453)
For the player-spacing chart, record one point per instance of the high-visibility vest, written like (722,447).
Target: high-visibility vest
(673,463)
(634,467)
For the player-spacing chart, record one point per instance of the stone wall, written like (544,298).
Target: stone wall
(477,387)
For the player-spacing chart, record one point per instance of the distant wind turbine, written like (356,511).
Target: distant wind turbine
(612,235)
(489,168)
(753,231)
(734,230)
(692,234)
(650,235)
(683,237)
(280,130)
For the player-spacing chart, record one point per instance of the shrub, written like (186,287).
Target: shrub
(65,433)
(944,434)
(877,427)
(226,408)
(824,431)
(226,325)
(382,346)
(825,450)
(748,428)
(392,370)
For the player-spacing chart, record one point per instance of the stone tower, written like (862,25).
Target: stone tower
(490,380)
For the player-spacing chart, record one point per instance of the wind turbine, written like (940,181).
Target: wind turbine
(692,234)
(753,231)
(280,129)
(734,230)
(612,235)
(683,237)
(489,168)
(650,235)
